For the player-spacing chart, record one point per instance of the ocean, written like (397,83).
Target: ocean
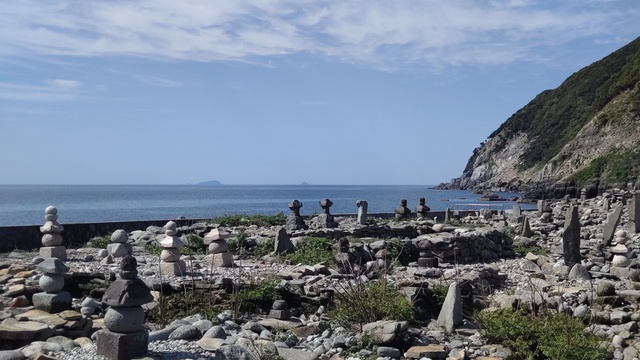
(25,204)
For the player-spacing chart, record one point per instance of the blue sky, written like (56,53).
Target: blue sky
(279,91)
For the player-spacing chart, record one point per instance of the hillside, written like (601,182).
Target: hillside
(583,134)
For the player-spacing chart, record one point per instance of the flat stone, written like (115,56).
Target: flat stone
(22,330)
(297,354)
(122,346)
(52,303)
(70,315)
(210,344)
(283,324)
(58,252)
(432,351)
(178,268)
(220,260)
(215,234)
(52,266)
(53,320)
(127,293)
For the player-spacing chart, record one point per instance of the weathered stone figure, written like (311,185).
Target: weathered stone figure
(402,211)
(422,209)
(125,336)
(362,211)
(325,219)
(294,220)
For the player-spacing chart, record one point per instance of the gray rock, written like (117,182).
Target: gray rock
(203,325)
(11,355)
(571,238)
(52,266)
(283,242)
(162,334)
(66,343)
(127,293)
(451,314)
(234,352)
(605,288)
(185,332)
(579,272)
(391,352)
(385,331)
(216,331)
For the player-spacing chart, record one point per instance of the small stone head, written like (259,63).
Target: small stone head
(403,202)
(325,204)
(422,201)
(295,206)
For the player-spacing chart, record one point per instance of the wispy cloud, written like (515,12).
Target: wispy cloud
(385,34)
(50,90)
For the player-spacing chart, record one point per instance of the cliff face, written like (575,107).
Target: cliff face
(583,134)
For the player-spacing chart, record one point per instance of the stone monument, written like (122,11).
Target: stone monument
(52,240)
(54,299)
(362,211)
(119,246)
(294,220)
(402,211)
(634,213)
(426,259)
(125,336)
(219,255)
(571,237)
(422,209)
(280,310)
(325,219)
(170,263)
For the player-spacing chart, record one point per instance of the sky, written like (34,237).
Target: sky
(354,92)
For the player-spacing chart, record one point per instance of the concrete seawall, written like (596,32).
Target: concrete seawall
(29,237)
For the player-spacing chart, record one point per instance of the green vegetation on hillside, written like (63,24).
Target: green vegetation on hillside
(554,117)
(616,167)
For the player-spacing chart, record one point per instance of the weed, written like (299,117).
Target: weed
(312,250)
(183,304)
(244,219)
(258,296)
(534,249)
(194,244)
(154,248)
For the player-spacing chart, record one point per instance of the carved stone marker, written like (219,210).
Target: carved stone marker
(362,211)
(325,219)
(402,211)
(634,213)
(422,209)
(294,220)
(571,238)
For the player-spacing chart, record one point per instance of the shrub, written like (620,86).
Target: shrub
(550,335)
(534,249)
(99,242)
(312,250)
(194,244)
(153,248)
(255,296)
(184,304)
(361,303)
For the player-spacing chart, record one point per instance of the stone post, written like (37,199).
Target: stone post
(571,238)
(516,214)
(53,299)
(170,263)
(634,213)
(325,219)
(125,336)
(447,215)
(52,240)
(362,211)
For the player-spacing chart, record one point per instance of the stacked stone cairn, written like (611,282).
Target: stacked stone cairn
(426,258)
(54,299)
(294,220)
(125,336)
(280,310)
(119,246)
(402,211)
(620,251)
(52,240)
(422,209)
(345,260)
(170,263)
(325,219)
(219,255)
(547,213)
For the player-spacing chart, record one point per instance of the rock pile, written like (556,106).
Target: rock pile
(219,255)
(119,246)
(54,299)
(52,240)
(170,262)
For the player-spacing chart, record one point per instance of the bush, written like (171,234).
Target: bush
(361,303)
(99,242)
(255,296)
(245,220)
(550,335)
(312,250)
(193,245)
(179,305)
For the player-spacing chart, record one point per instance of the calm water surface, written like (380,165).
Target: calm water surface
(25,204)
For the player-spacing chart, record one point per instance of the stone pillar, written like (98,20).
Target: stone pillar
(125,336)
(634,213)
(610,226)
(362,211)
(516,214)
(52,240)
(219,255)
(119,246)
(283,243)
(526,228)
(170,263)
(54,299)
(294,220)
(402,211)
(325,219)
(422,209)
(447,215)
(571,238)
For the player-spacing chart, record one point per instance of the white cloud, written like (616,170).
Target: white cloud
(51,90)
(385,34)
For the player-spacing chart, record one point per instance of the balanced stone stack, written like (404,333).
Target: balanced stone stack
(402,211)
(125,336)
(345,260)
(294,220)
(280,310)
(52,240)
(325,219)
(620,251)
(426,258)
(170,263)
(422,209)
(119,246)
(54,299)
(219,255)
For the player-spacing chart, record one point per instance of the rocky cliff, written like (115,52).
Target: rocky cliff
(583,134)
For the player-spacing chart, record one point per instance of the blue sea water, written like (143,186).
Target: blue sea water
(25,204)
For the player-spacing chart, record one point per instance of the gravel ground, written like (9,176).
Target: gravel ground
(165,350)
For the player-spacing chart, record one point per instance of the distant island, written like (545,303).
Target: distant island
(210,183)
(304,183)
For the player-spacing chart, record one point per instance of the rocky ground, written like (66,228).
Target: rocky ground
(478,252)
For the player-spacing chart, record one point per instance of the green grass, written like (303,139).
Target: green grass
(616,167)
(99,242)
(233,220)
(312,250)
